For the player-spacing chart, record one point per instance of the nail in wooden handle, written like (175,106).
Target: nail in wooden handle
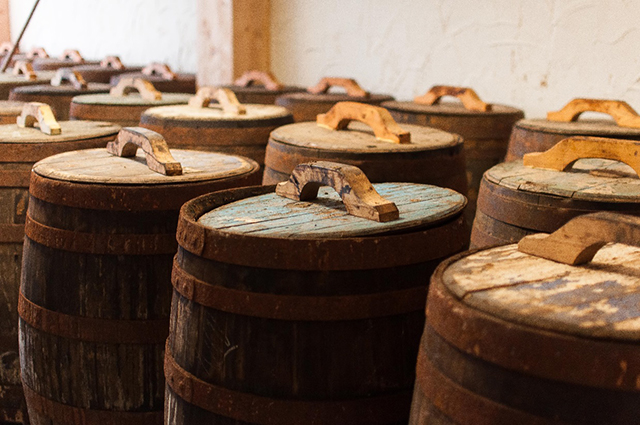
(580,239)
(6,47)
(379,119)
(568,151)
(24,68)
(70,75)
(130,84)
(225,97)
(469,98)
(355,189)
(623,114)
(39,113)
(158,156)
(349,84)
(160,69)
(112,62)
(72,55)
(267,79)
(37,52)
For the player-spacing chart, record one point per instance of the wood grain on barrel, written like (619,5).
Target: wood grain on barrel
(58,97)
(183,83)
(9,81)
(306,106)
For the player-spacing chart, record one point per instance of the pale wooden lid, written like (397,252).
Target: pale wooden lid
(450,108)
(43,77)
(133,99)
(599,299)
(99,166)
(214,113)
(63,90)
(71,130)
(359,137)
(10,107)
(326,217)
(582,127)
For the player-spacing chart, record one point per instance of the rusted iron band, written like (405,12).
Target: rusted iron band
(260,410)
(88,329)
(14,178)
(64,413)
(11,233)
(291,307)
(100,243)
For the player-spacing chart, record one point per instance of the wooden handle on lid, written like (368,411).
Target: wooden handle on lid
(112,62)
(40,113)
(24,68)
(469,98)
(379,119)
(349,84)
(72,55)
(265,78)
(355,189)
(128,85)
(158,156)
(6,47)
(568,151)
(623,114)
(225,97)
(160,69)
(37,52)
(70,75)
(578,241)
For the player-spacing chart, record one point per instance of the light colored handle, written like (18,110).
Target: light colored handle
(349,84)
(70,75)
(39,113)
(225,97)
(129,85)
(379,119)
(267,79)
(160,69)
(6,47)
(37,52)
(112,62)
(24,68)
(622,113)
(469,98)
(568,151)
(158,156)
(355,189)
(578,241)
(72,55)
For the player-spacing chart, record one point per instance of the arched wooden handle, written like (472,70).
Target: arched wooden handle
(72,55)
(225,97)
(130,84)
(578,241)
(40,113)
(567,151)
(37,52)
(24,68)
(349,84)
(158,156)
(379,119)
(265,78)
(6,47)
(622,113)
(70,75)
(469,98)
(355,189)
(112,62)
(160,69)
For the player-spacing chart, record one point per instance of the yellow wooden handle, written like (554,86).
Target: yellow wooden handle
(24,68)
(349,84)
(469,98)
(112,62)
(355,189)
(70,75)
(37,52)
(267,79)
(72,55)
(156,150)
(36,114)
(622,113)
(130,84)
(379,119)
(161,69)
(225,97)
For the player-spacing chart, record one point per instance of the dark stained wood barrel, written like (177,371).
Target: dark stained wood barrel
(9,111)
(68,58)
(537,135)
(290,312)
(305,106)
(105,70)
(516,200)
(514,338)
(95,294)
(260,87)
(162,78)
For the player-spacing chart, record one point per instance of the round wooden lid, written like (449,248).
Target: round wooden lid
(337,97)
(63,90)
(214,115)
(133,99)
(263,89)
(99,166)
(273,216)
(359,137)
(599,180)
(450,108)
(582,127)
(10,107)
(42,78)
(71,130)
(599,299)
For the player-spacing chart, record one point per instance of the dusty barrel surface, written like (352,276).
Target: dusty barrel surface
(162,78)
(105,70)
(260,87)
(13,78)
(513,338)
(95,292)
(294,312)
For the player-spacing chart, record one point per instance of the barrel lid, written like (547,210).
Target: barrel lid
(359,137)
(589,179)
(41,78)
(273,216)
(10,107)
(63,90)
(133,99)
(263,89)
(70,130)
(450,108)
(582,127)
(99,166)
(179,76)
(599,299)
(214,113)
(337,97)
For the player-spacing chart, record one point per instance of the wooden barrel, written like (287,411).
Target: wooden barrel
(223,127)
(484,127)
(124,104)
(385,151)
(305,106)
(68,58)
(162,78)
(537,135)
(290,312)
(102,72)
(517,199)
(20,148)
(9,111)
(260,87)
(22,74)
(515,338)
(95,293)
